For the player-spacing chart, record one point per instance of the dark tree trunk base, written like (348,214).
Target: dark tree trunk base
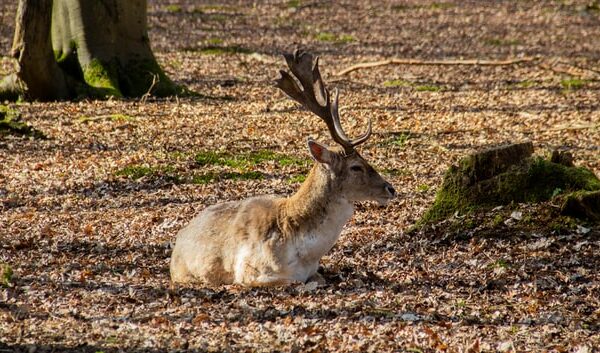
(98,49)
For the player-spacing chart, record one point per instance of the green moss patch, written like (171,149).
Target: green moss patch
(334,38)
(11,124)
(300,178)
(245,160)
(428,88)
(6,275)
(173,8)
(572,84)
(224,50)
(102,78)
(503,176)
(397,83)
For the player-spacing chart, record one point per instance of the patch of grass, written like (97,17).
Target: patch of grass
(121,117)
(325,37)
(300,178)
(245,160)
(526,84)
(428,88)
(423,188)
(498,42)
(441,6)
(500,263)
(397,83)
(224,50)
(498,220)
(173,8)
(252,175)
(398,140)
(346,38)
(214,41)
(203,179)
(135,171)
(6,275)
(293,4)
(572,84)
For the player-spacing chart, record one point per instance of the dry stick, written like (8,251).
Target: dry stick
(435,62)
(155,80)
(574,127)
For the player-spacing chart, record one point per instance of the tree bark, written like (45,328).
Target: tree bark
(78,48)
(36,66)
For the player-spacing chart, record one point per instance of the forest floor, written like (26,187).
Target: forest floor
(88,214)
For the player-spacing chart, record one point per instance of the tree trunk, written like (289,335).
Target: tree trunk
(74,48)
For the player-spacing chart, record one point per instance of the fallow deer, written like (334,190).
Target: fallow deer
(269,240)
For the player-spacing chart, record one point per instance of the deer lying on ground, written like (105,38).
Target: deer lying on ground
(268,240)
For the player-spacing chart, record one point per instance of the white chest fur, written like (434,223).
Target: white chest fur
(307,248)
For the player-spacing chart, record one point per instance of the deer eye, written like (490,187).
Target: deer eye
(356,168)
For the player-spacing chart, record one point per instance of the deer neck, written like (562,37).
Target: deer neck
(316,202)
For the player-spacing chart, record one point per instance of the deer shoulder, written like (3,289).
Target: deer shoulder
(269,240)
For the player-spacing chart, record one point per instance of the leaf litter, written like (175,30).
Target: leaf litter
(85,249)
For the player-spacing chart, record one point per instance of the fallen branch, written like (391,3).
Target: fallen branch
(479,62)
(574,127)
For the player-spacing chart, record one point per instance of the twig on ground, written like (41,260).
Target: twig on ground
(435,62)
(574,127)
(155,80)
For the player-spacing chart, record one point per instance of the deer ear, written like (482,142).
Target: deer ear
(320,152)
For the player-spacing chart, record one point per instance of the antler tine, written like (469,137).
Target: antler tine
(338,126)
(315,96)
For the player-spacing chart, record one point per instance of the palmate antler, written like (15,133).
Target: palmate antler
(315,96)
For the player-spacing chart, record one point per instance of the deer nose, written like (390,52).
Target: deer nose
(390,189)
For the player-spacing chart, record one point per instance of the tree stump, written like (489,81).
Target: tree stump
(511,174)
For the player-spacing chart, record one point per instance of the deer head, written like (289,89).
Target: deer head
(355,178)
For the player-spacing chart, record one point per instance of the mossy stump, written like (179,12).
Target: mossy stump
(511,174)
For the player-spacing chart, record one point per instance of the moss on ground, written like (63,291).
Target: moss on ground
(6,275)
(10,124)
(490,179)
(245,160)
(224,50)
